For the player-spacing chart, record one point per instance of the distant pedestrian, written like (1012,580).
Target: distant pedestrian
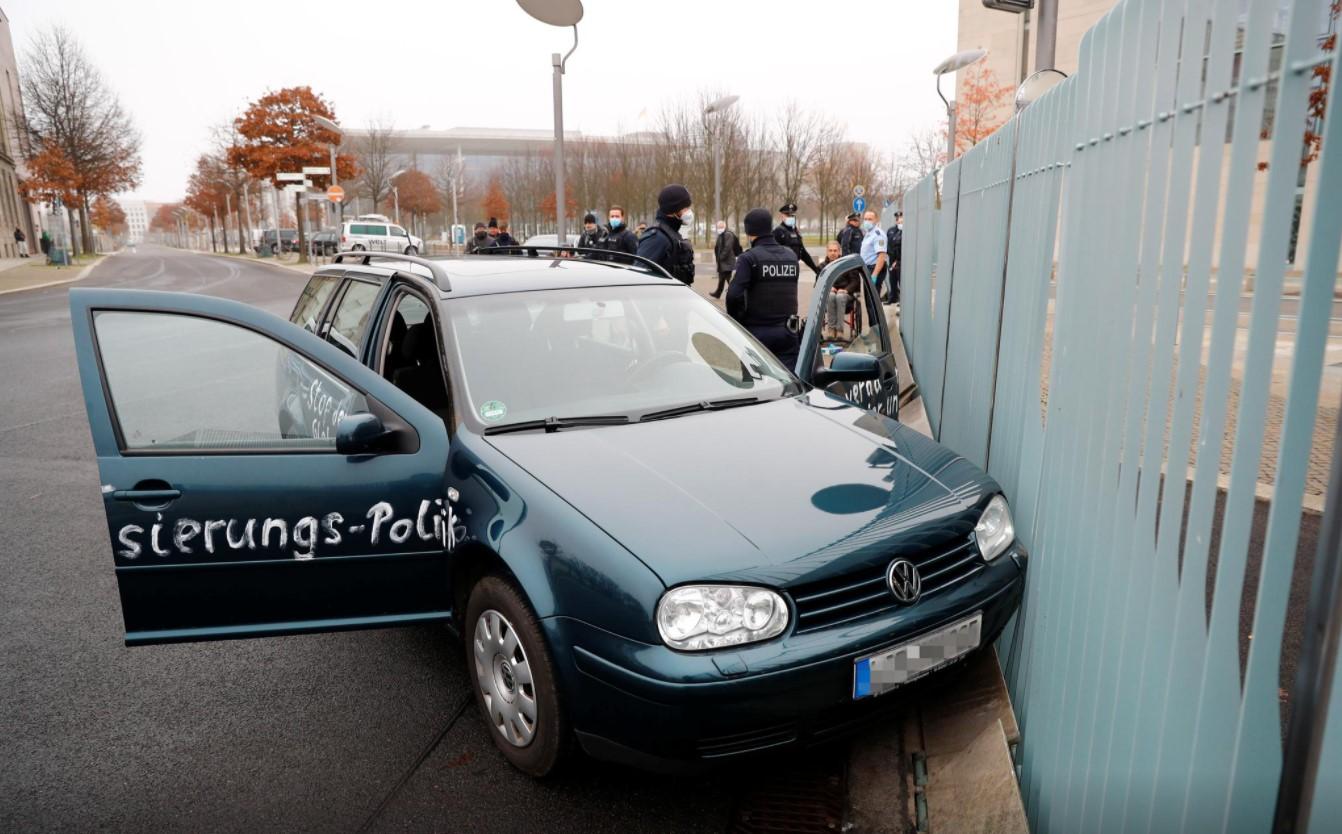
(44,243)
(663,243)
(480,241)
(640,229)
(894,244)
(505,238)
(725,251)
(619,238)
(850,236)
(21,242)
(873,249)
(493,230)
(593,236)
(787,235)
(763,292)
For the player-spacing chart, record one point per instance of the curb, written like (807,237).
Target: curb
(82,273)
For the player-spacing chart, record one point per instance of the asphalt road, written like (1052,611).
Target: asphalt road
(370,730)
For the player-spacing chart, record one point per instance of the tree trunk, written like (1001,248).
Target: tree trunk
(85,228)
(302,239)
(244,231)
(72,247)
(213,247)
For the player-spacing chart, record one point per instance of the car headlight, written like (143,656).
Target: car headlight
(698,617)
(994,532)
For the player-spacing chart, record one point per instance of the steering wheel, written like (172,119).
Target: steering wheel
(641,368)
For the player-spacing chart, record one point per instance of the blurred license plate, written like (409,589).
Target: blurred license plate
(885,670)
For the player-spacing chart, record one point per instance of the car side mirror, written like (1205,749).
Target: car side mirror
(363,434)
(846,366)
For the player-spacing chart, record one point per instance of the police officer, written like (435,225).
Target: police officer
(593,236)
(763,292)
(850,236)
(619,238)
(786,235)
(662,243)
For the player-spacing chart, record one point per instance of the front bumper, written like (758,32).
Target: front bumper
(660,709)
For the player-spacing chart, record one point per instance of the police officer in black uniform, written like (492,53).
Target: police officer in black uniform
(763,292)
(787,235)
(662,242)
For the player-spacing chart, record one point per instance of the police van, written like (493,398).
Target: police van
(376,233)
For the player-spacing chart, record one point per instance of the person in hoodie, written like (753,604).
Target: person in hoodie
(663,242)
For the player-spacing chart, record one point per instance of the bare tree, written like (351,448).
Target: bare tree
(69,108)
(925,152)
(799,134)
(376,162)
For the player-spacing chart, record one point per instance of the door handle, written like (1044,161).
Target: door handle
(151,494)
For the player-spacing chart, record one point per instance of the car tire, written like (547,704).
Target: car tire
(410,250)
(505,648)
(358,247)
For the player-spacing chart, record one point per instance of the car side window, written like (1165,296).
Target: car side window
(397,231)
(313,298)
(867,338)
(410,357)
(351,316)
(377,231)
(184,383)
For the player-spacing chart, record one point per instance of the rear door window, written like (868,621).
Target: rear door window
(350,321)
(311,302)
(376,231)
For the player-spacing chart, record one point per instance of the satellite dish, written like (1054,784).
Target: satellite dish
(554,12)
(1036,85)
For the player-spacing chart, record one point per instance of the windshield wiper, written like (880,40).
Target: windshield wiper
(702,405)
(551,424)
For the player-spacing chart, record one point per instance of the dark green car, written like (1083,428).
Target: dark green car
(653,538)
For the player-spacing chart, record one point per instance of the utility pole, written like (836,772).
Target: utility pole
(1046,37)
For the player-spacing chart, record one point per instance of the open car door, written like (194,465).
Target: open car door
(229,518)
(863,329)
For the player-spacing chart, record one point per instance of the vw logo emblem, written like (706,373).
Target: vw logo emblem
(904,581)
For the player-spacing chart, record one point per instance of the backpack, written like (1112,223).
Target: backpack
(682,254)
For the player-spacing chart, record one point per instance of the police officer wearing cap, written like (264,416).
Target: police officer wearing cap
(662,242)
(763,292)
(787,235)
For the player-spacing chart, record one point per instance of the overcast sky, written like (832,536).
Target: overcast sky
(181,67)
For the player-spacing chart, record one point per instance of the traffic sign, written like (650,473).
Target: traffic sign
(315,170)
(859,191)
(335,194)
(859,205)
(290,176)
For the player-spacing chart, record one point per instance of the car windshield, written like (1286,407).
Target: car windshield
(605,350)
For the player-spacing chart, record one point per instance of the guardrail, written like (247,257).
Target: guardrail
(1072,305)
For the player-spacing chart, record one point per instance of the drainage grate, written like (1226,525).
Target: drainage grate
(803,797)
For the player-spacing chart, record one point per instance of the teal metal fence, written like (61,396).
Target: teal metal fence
(1093,309)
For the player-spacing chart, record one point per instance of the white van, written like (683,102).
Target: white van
(376,233)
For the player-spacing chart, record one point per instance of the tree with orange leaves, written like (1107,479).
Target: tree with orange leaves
(205,192)
(108,216)
(979,107)
(417,194)
(51,177)
(278,134)
(496,203)
(548,207)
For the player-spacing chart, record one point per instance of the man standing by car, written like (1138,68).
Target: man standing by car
(593,236)
(504,238)
(763,292)
(662,243)
(482,240)
(873,248)
(618,236)
(726,250)
(850,236)
(787,235)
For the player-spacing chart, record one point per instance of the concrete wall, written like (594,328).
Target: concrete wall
(13,211)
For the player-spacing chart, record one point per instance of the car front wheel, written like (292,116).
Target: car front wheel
(358,247)
(410,250)
(514,678)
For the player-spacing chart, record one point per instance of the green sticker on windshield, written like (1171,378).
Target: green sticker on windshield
(493,410)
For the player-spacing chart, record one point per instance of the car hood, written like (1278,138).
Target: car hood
(787,491)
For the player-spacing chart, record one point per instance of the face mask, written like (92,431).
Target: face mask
(616,222)
(790,222)
(867,225)
(480,235)
(900,225)
(687,219)
(721,229)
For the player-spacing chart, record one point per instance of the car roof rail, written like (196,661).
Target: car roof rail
(366,258)
(607,255)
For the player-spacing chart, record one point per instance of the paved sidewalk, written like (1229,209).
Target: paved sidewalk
(17,274)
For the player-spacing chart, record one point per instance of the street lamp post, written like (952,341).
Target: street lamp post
(322,121)
(396,194)
(558,13)
(718,107)
(954,64)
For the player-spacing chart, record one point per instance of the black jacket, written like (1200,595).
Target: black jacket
(622,239)
(763,292)
(726,250)
(663,245)
(595,239)
(505,239)
(850,240)
(894,243)
(784,236)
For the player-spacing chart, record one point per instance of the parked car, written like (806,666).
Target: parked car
(376,233)
(326,242)
(288,241)
(549,240)
(655,538)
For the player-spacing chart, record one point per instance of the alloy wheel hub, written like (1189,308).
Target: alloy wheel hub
(503,673)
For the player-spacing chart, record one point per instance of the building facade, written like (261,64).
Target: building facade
(137,219)
(14,212)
